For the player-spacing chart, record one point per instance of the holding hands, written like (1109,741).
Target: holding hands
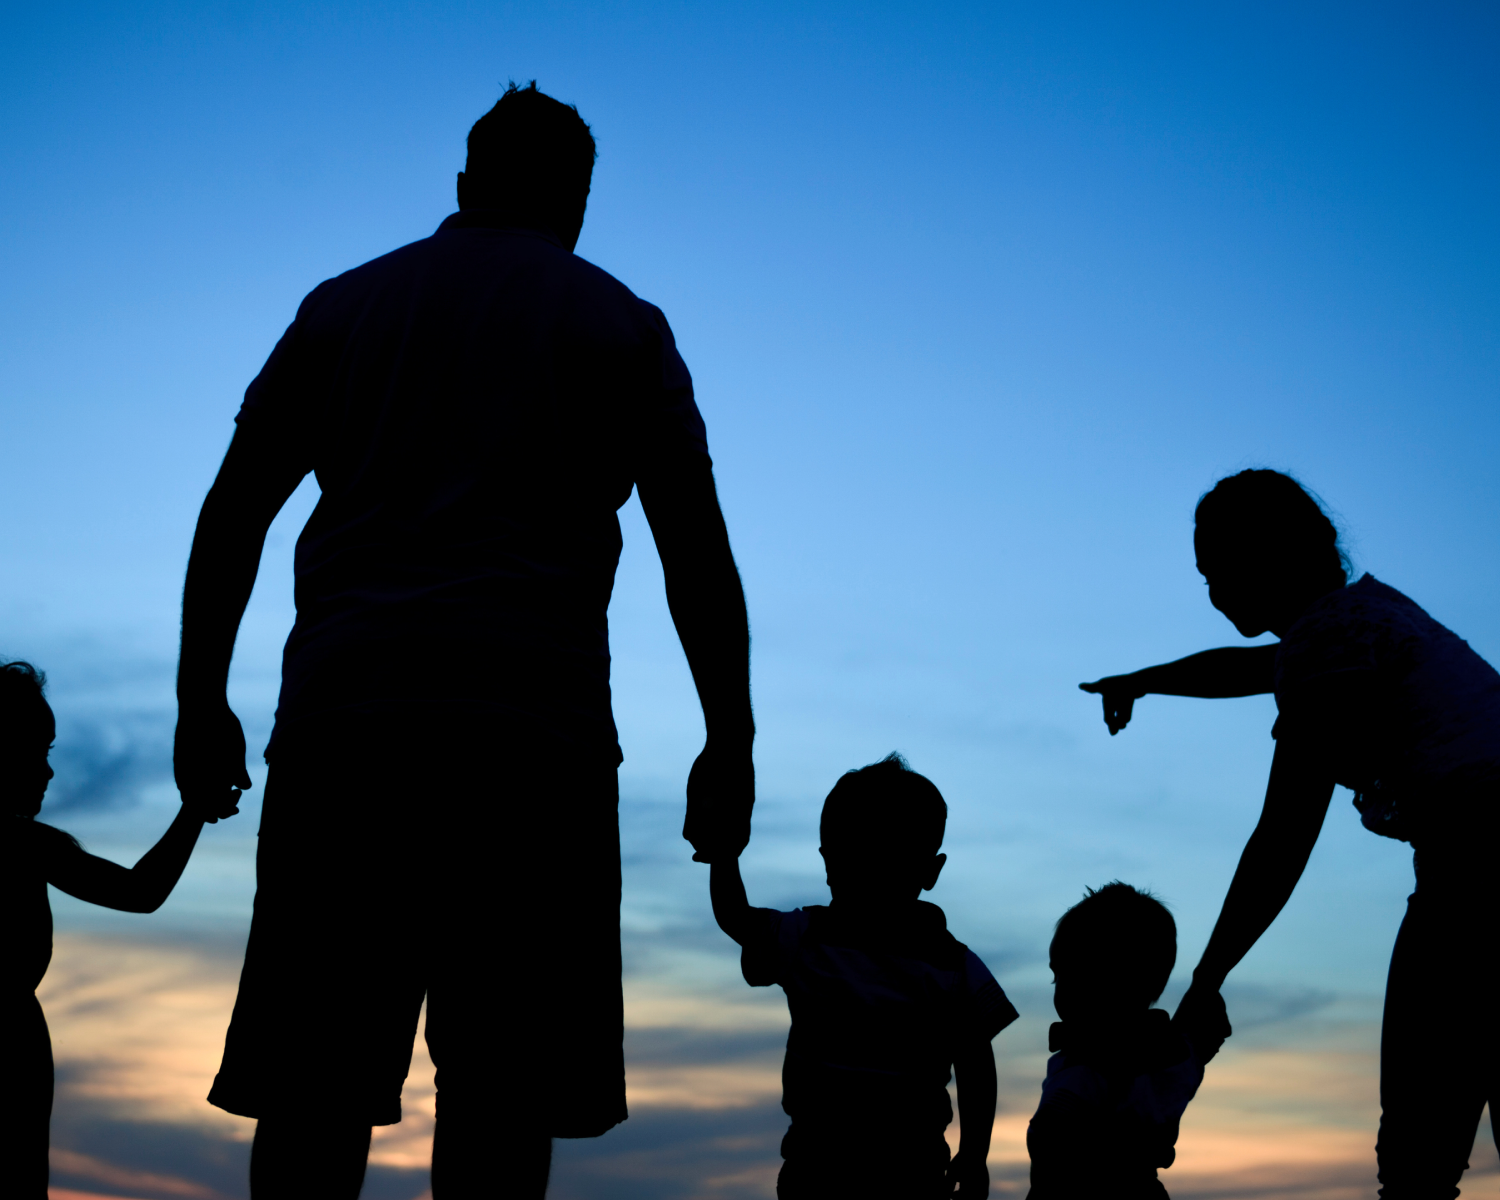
(208,760)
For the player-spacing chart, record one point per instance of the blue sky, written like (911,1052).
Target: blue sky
(978,300)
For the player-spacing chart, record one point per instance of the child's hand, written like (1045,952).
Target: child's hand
(1120,692)
(968,1177)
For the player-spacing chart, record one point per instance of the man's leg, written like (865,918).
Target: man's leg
(294,1158)
(488,1156)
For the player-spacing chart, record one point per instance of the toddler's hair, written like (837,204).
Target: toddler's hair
(21,687)
(1120,933)
(885,806)
(1270,513)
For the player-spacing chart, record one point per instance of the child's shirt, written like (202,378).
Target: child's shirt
(1407,713)
(877,1023)
(26,854)
(1110,1110)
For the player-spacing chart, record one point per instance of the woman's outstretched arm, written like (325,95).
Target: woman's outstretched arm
(1274,858)
(1211,675)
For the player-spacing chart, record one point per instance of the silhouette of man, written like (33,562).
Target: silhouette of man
(440,815)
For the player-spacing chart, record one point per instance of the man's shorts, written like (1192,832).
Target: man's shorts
(409,857)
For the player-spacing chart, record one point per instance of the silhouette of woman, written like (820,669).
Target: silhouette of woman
(1373,694)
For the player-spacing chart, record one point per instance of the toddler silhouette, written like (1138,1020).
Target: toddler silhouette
(32,855)
(1123,1072)
(884,1002)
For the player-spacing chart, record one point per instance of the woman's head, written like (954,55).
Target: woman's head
(1267,550)
(26,732)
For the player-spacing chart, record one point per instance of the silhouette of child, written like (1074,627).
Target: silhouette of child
(884,1002)
(1123,1072)
(32,855)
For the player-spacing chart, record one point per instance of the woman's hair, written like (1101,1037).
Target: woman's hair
(1270,515)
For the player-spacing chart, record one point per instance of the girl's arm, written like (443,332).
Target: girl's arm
(974,1076)
(141,888)
(1211,675)
(1274,858)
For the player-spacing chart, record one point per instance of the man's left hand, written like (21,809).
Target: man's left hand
(720,795)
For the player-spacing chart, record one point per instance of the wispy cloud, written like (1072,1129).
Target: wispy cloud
(1289,1108)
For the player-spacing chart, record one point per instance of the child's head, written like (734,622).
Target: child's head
(1266,548)
(882,830)
(26,733)
(1112,953)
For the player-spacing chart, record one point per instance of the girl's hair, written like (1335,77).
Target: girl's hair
(1270,514)
(21,685)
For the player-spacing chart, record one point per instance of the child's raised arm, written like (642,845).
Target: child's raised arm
(141,888)
(1210,675)
(974,1077)
(727,890)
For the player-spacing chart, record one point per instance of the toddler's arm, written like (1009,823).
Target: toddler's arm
(974,1076)
(1210,675)
(727,890)
(141,888)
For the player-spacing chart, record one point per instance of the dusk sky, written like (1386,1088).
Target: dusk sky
(978,300)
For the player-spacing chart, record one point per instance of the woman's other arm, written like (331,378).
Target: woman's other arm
(1210,675)
(1273,860)
(142,888)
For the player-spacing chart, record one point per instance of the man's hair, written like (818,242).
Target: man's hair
(21,688)
(1122,933)
(531,154)
(883,807)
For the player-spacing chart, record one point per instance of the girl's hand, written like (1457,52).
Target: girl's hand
(1119,692)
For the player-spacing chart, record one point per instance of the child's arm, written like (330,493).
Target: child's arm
(727,890)
(1210,675)
(141,888)
(974,1077)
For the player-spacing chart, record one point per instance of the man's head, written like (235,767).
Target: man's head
(881,831)
(1112,954)
(531,158)
(26,732)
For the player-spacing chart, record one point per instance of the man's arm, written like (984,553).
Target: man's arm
(253,483)
(1210,675)
(708,608)
(1273,860)
(974,1077)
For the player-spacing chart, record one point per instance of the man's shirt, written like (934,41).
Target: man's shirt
(476,407)
(876,1024)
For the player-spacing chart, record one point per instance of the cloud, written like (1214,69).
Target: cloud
(106,761)
(1289,1110)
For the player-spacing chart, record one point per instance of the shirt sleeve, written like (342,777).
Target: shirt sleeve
(672,427)
(989,1009)
(761,954)
(286,397)
(1327,672)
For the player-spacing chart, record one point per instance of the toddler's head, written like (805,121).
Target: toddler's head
(26,732)
(1112,954)
(1266,548)
(882,830)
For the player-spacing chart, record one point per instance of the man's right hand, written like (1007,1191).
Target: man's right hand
(1119,692)
(208,758)
(720,795)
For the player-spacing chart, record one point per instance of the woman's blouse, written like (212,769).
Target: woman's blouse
(1403,710)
